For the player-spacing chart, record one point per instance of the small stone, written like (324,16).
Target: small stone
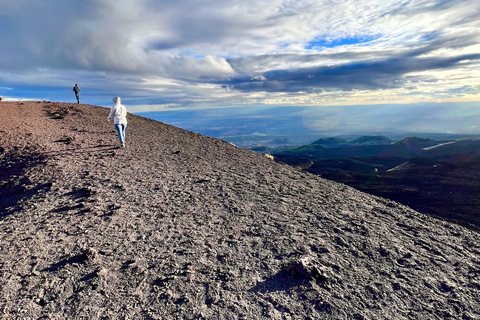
(91,254)
(308,268)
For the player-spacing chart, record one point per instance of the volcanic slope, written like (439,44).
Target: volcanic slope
(182,226)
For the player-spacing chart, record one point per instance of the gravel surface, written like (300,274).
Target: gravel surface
(182,226)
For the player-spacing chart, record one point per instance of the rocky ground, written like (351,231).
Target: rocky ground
(182,226)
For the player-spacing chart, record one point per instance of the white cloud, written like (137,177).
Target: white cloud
(259,78)
(182,49)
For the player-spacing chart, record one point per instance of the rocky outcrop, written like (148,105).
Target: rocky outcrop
(181,226)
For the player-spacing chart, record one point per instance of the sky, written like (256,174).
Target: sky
(161,55)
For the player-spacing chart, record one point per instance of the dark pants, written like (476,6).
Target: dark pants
(77,95)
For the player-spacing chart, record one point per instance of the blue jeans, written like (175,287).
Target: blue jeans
(121,131)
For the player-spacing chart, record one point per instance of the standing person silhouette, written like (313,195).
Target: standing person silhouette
(76,89)
(119,114)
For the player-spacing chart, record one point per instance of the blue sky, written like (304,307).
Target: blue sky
(192,55)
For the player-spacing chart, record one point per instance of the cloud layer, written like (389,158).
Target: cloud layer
(228,53)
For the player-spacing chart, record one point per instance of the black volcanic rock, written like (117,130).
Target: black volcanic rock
(181,226)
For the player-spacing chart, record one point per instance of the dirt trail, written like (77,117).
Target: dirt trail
(182,226)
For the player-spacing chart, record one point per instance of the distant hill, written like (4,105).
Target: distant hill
(261,149)
(295,162)
(436,177)
(306,148)
(337,142)
(366,146)
(282,141)
(331,142)
(414,140)
(182,226)
(369,140)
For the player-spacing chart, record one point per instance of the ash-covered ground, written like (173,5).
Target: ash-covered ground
(181,226)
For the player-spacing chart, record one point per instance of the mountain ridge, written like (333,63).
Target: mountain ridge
(434,177)
(179,225)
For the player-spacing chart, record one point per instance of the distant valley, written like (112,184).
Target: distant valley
(435,172)
(438,177)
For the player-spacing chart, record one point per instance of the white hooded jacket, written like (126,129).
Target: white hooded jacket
(119,112)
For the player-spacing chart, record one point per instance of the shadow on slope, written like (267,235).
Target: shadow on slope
(14,184)
(281,281)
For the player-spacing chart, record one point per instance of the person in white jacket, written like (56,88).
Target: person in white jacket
(119,114)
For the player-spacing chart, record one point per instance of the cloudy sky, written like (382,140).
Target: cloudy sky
(194,54)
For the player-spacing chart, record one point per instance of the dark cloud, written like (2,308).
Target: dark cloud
(387,68)
(369,75)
